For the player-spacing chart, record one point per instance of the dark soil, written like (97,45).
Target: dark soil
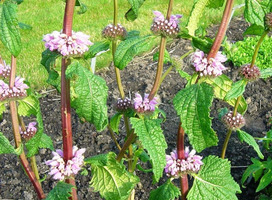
(15,185)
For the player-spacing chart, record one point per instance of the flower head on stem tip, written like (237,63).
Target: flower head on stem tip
(233,122)
(30,130)
(74,45)
(113,32)
(59,170)
(143,104)
(18,91)
(176,167)
(212,67)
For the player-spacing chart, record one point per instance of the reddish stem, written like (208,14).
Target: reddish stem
(222,29)
(17,136)
(65,96)
(181,155)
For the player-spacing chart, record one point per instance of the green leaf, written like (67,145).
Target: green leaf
(204,44)
(216,4)
(91,93)
(24,26)
(184,74)
(254,12)
(2,108)
(166,57)
(237,89)
(265,73)
(46,142)
(96,48)
(9,28)
(132,34)
(196,15)
(167,191)
(5,146)
(131,47)
(214,181)
(28,106)
(112,180)
(151,136)
(115,121)
(243,136)
(98,160)
(256,166)
(221,86)
(193,106)
(83,7)
(222,112)
(133,12)
(265,180)
(62,191)
(254,30)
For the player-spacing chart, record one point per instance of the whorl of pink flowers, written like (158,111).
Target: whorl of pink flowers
(165,27)
(213,67)
(30,130)
(144,105)
(4,70)
(176,167)
(74,45)
(59,170)
(19,89)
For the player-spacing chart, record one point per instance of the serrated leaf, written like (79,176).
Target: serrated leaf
(28,106)
(265,73)
(243,136)
(115,121)
(195,16)
(193,106)
(265,180)
(9,28)
(5,146)
(166,57)
(131,47)
(167,191)
(96,48)
(184,74)
(112,180)
(46,142)
(257,165)
(91,92)
(62,191)
(237,89)
(254,12)
(151,136)
(254,30)
(204,44)
(214,181)
(98,160)
(221,86)
(133,12)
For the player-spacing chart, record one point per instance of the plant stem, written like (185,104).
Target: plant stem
(226,144)
(184,188)
(113,137)
(65,97)
(222,29)
(128,142)
(258,47)
(236,105)
(115,14)
(17,136)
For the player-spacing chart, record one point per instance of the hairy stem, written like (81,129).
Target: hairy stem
(184,188)
(115,14)
(128,142)
(17,136)
(223,153)
(65,96)
(222,29)
(258,47)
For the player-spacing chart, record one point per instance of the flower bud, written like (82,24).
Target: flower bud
(268,21)
(29,132)
(112,32)
(123,105)
(251,74)
(233,122)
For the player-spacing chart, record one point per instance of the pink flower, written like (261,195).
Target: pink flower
(59,170)
(176,167)
(30,130)
(77,44)
(4,70)
(213,67)
(144,105)
(19,89)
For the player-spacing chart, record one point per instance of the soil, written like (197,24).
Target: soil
(15,185)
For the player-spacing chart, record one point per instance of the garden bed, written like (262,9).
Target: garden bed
(139,77)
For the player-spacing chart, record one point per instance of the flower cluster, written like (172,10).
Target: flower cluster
(4,70)
(233,122)
(162,26)
(123,104)
(176,167)
(19,89)
(268,20)
(212,67)
(59,170)
(249,73)
(144,105)
(74,45)
(30,131)
(112,32)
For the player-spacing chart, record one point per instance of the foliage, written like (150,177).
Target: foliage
(61,191)
(167,191)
